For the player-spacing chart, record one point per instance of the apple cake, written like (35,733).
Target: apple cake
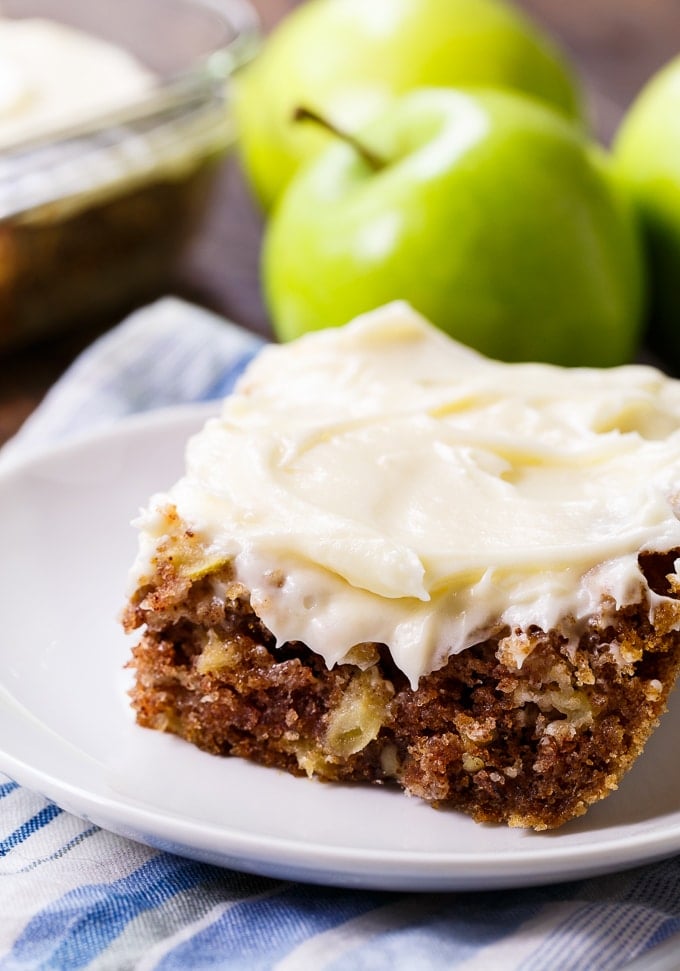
(393,560)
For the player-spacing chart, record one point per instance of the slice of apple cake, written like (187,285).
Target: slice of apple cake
(392,559)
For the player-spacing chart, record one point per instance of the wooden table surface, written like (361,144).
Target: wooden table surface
(615,45)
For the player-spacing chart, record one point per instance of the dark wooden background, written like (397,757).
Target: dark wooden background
(615,45)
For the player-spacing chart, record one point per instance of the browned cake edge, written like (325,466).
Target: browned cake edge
(529,742)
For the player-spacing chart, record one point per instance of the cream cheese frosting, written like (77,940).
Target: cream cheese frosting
(382,483)
(53,76)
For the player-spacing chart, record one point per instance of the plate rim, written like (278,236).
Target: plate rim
(400,870)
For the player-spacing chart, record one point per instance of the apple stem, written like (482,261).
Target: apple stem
(372,159)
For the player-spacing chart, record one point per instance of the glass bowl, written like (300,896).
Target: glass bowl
(93,217)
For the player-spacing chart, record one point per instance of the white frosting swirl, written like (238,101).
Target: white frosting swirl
(414,493)
(53,76)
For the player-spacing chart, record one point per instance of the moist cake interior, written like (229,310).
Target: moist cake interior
(531,746)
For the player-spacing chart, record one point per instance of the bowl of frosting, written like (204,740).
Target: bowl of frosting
(114,122)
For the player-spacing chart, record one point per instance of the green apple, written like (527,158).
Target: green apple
(647,154)
(347,58)
(491,214)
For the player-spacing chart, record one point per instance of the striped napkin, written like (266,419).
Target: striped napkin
(75,896)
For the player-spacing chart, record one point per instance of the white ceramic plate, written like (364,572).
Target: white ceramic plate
(66,729)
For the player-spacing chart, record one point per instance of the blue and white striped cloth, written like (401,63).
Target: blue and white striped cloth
(75,896)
